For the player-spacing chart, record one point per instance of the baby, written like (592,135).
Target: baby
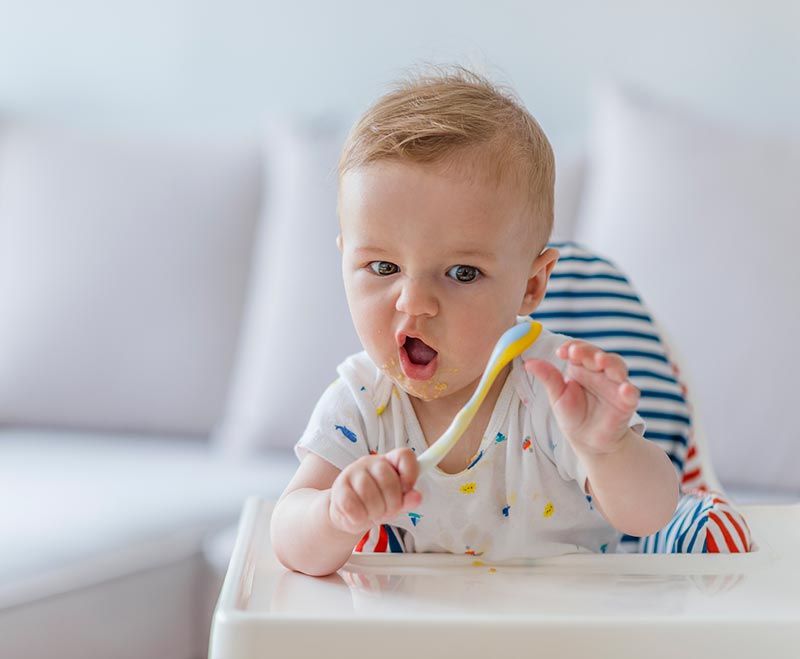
(445,209)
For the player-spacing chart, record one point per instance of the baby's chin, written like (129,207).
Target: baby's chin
(426,390)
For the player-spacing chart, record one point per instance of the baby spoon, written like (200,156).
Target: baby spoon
(513,343)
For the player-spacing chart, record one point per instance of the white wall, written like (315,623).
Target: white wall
(200,66)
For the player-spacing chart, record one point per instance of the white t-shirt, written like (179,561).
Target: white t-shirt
(522,496)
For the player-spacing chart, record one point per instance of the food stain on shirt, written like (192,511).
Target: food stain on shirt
(512,499)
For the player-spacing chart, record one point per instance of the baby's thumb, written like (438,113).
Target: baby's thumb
(411,499)
(549,376)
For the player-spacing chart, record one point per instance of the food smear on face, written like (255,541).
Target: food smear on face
(424,390)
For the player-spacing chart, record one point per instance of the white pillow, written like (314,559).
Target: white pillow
(123,271)
(706,221)
(297,326)
(570,179)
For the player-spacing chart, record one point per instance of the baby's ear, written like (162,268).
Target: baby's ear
(539,275)
(339,241)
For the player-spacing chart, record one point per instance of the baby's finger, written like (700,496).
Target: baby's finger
(347,510)
(562,352)
(614,366)
(582,354)
(629,394)
(367,490)
(411,500)
(388,482)
(548,375)
(405,463)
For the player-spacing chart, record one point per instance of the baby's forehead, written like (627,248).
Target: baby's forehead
(397,201)
(501,184)
(481,163)
(462,179)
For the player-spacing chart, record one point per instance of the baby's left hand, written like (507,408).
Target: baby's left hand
(594,403)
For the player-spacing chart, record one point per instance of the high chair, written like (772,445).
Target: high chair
(716,582)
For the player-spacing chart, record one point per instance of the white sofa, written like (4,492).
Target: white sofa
(124,270)
(169,313)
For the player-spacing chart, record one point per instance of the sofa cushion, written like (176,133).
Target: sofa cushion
(123,269)
(297,327)
(704,220)
(81,508)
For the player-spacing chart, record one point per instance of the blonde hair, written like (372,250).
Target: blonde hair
(445,115)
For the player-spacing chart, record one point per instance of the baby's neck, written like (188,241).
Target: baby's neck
(436,415)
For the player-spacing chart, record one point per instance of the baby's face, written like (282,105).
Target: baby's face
(435,268)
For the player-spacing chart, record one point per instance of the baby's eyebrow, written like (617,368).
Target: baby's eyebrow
(454,255)
(469,253)
(370,249)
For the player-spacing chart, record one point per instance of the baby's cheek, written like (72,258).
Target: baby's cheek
(371,323)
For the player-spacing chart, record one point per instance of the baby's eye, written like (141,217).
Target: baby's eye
(464,273)
(383,268)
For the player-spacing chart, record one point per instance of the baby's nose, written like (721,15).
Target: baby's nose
(417,299)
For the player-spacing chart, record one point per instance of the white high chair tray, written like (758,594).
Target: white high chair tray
(578,605)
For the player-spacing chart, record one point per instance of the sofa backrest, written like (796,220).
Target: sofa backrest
(123,275)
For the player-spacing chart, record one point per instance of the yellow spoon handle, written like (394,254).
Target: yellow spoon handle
(513,343)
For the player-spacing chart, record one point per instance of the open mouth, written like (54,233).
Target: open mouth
(419,352)
(418,360)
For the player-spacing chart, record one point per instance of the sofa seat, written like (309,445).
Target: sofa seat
(119,518)
(105,496)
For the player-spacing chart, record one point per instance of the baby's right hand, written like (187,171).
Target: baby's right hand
(373,490)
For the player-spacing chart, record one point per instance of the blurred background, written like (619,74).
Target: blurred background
(208,67)
(167,205)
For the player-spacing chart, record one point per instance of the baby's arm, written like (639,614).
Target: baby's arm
(324,512)
(631,479)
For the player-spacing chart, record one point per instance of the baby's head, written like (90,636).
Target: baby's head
(445,206)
